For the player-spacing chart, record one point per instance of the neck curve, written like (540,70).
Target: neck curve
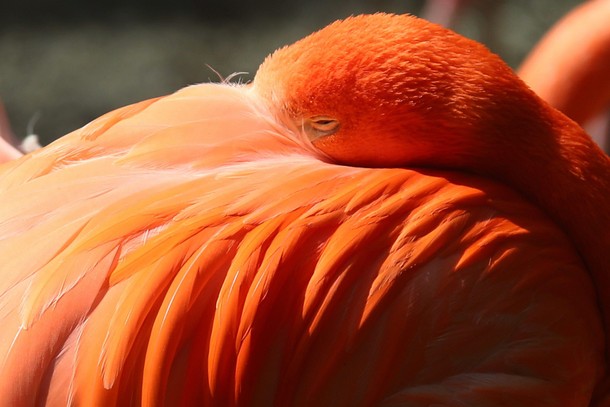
(560,168)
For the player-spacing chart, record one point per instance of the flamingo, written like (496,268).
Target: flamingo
(10,147)
(7,151)
(569,66)
(386,216)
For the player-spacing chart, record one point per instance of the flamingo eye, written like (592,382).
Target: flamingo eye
(320,126)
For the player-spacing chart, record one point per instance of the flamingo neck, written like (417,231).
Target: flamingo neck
(574,190)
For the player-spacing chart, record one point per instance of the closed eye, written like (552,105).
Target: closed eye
(320,126)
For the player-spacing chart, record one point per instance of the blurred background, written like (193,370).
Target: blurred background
(64,63)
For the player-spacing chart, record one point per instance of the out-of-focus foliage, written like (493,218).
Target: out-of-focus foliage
(71,61)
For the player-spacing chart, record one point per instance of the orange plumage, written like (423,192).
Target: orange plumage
(235,246)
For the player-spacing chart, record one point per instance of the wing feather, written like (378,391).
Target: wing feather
(191,249)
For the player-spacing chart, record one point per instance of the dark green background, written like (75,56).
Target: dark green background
(71,61)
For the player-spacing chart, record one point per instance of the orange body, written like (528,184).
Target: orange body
(199,249)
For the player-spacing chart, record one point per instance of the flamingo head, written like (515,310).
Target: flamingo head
(394,90)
